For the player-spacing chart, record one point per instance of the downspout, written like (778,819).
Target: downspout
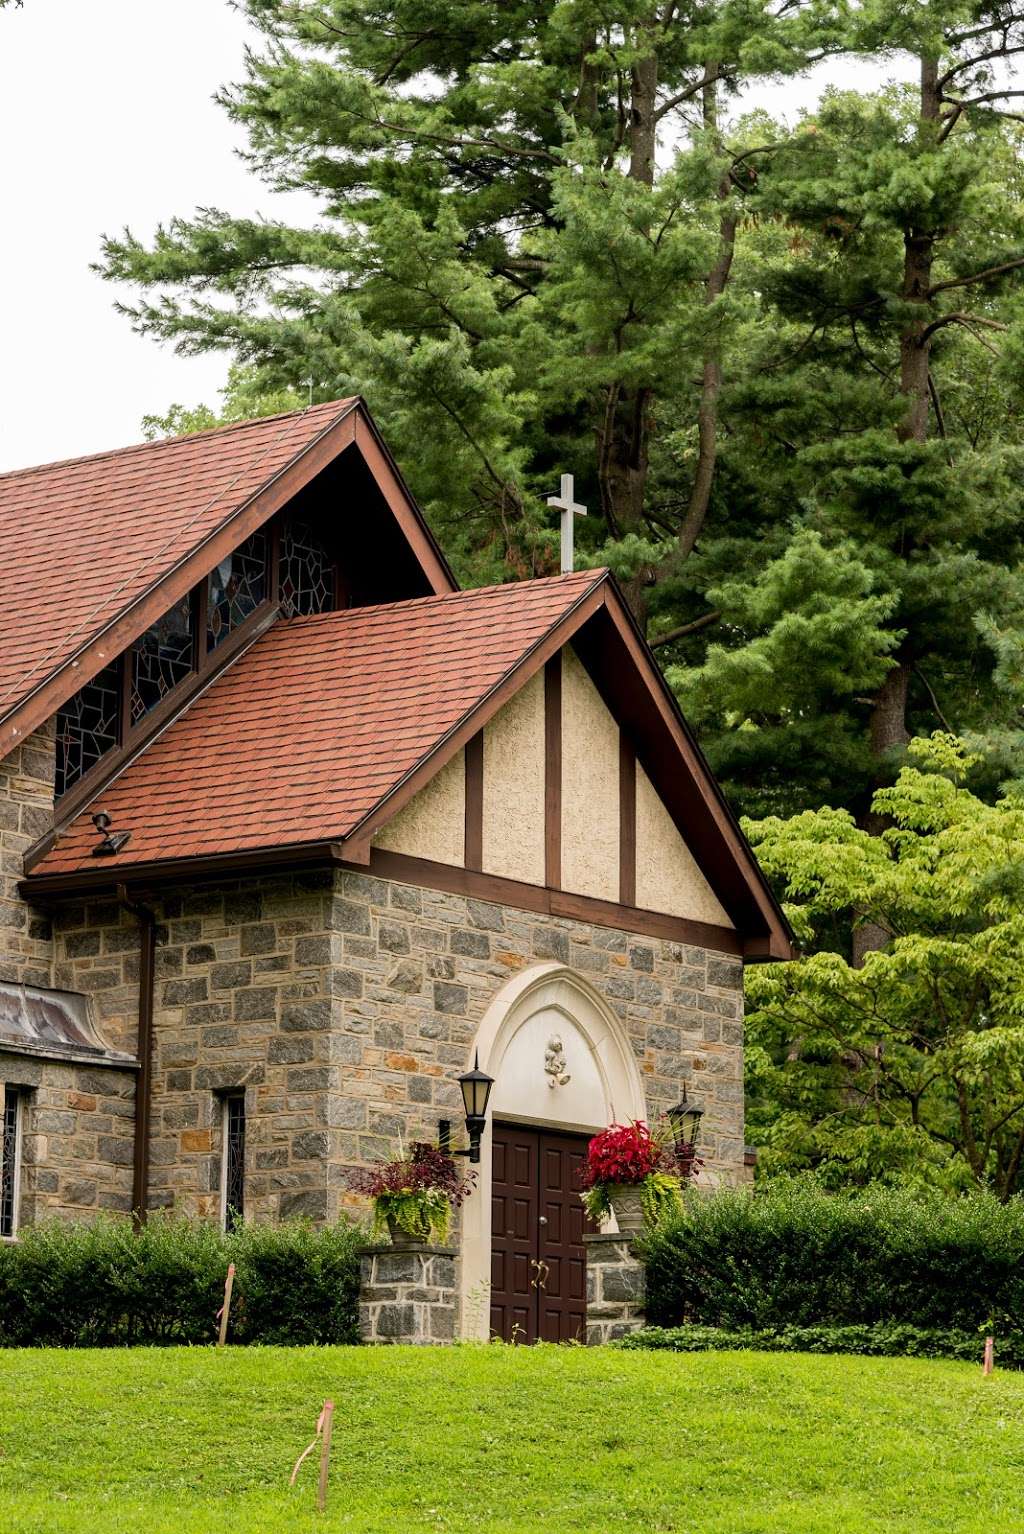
(144,1081)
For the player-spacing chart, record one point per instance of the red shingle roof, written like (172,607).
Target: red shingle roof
(85,538)
(315,724)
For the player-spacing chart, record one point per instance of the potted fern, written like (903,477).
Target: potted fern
(635,1175)
(414,1195)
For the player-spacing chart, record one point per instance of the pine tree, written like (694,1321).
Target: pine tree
(766,355)
(504,267)
(893,600)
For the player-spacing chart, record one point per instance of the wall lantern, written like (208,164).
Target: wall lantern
(685,1120)
(476,1090)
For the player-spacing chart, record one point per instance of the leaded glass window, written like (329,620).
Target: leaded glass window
(236,588)
(307,571)
(87,727)
(234,1159)
(161,659)
(10,1159)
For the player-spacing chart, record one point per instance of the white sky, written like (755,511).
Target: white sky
(106,119)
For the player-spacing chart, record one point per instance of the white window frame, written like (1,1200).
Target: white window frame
(18,1093)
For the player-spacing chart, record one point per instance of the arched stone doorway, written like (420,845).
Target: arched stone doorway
(561,1062)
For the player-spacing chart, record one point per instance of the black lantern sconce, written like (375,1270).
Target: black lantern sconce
(476,1090)
(685,1119)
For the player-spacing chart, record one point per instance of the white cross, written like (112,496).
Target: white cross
(569,509)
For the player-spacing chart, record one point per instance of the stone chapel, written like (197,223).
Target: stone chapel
(291,828)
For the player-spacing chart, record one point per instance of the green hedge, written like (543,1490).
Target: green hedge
(884,1340)
(793,1255)
(101,1285)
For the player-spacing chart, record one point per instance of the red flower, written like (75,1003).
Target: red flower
(627,1153)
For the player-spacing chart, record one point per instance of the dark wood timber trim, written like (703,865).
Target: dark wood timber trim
(351,428)
(528,664)
(151,878)
(553,772)
(400,500)
(626,675)
(474,847)
(154,875)
(550,902)
(627,821)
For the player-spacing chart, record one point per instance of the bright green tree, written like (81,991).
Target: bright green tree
(911,1066)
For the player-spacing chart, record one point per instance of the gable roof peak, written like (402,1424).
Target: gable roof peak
(328,411)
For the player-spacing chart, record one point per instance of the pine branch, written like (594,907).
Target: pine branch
(989,271)
(687,628)
(1004,52)
(967,320)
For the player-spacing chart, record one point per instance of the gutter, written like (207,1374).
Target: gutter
(144,1082)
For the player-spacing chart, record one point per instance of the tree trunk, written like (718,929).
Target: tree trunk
(889,715)
(711,379)
(643,120)
(623,436)
(888,732)
(918,255)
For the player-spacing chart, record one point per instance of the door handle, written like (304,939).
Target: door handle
(542,1220)
(542,1270)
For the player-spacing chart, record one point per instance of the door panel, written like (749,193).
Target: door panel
(538,1262)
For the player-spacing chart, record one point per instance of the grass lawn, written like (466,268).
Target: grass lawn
(479,1440)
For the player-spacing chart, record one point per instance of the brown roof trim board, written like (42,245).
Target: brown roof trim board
(148,880)
(353,427)
(623,668)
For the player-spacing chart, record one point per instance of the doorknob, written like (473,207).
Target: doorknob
(542,1220)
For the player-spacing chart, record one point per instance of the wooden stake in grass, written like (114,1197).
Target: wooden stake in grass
(225,1310)
(323,1432)
(990,1356)
(325,1456)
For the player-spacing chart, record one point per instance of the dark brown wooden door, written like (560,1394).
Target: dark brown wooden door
(538,1261)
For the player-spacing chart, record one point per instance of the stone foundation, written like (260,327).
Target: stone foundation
(616,1288)
(407,1295)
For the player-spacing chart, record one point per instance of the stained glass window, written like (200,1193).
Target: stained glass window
(87,727)
(307,573)
(234,1159)
(236,588)
(161,658)
(9,1159)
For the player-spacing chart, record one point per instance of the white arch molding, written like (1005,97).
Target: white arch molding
(544,1002)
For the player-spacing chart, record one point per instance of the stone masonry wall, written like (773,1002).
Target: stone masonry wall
(77,1125)
(345,1005)
(26,814)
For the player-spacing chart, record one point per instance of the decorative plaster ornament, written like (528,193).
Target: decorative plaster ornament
(554,1064)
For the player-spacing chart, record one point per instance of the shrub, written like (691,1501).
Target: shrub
(793,1255)
(884,1339)
(101,1285)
